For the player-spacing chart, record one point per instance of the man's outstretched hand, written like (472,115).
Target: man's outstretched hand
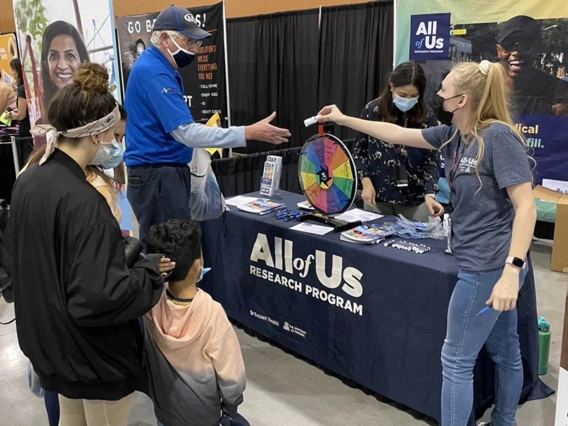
(265,132)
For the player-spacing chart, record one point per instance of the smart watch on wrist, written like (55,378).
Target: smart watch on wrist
(516,262)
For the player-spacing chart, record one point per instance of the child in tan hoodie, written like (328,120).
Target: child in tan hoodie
(196,368)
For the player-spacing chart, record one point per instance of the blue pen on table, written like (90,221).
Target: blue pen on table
(484,310)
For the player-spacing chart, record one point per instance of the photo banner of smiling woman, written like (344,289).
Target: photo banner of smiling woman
(55,37)
(530,40)
(204,80)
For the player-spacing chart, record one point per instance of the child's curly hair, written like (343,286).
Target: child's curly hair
(179,240)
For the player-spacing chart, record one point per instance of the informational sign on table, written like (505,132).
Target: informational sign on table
(204,80)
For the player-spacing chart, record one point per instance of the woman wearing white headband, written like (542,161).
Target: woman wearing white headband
(492,226)
(77,301)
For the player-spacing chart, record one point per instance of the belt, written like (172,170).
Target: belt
(158,165)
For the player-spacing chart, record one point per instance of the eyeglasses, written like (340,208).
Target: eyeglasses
(190,42)
(521,47)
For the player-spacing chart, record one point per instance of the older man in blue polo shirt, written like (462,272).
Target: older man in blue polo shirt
(161,132)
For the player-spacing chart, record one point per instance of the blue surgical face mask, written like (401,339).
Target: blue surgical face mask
(202,273)
(116,154)
(404,104)
(102,155)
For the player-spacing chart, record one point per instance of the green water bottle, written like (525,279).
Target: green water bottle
(543,345)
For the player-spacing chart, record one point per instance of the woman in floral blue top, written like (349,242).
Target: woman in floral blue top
(397,179)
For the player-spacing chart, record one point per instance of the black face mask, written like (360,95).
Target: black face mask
(444,116)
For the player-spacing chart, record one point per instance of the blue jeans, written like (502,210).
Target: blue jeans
(158,193)
(467,333)
(51,400)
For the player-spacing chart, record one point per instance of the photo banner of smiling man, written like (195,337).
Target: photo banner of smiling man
(204,80)
(55,37)
(530,40)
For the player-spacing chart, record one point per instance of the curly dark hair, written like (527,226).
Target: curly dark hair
(178,239)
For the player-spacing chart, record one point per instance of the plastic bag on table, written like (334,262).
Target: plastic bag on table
(438,230)
(206,199)
(412,229)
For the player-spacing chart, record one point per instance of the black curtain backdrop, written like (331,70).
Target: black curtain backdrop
(273,66)
(356,55)
(24,148)
(7,171)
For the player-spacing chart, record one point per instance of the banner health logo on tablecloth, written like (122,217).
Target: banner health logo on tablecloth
(347,280)
(430,36)
(264,318)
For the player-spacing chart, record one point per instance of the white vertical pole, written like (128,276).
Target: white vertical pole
(227,71)
(15,155)
(395,21)
(116,56)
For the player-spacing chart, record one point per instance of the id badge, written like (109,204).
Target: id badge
(401,176)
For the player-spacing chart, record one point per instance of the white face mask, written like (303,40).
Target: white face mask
(103,154)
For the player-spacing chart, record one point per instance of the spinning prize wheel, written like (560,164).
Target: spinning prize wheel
(327,174)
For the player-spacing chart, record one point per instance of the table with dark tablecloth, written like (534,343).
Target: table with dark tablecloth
(372,314)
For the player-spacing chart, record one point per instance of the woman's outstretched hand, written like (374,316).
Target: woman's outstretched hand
(331,113)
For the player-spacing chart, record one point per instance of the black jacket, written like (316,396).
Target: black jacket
(77,303)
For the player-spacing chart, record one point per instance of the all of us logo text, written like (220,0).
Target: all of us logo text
(429,36)
(429,39)
(279,266)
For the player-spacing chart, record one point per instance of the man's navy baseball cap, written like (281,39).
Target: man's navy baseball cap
(177,18)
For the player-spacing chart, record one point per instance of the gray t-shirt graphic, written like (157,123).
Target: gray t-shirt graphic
(483,214)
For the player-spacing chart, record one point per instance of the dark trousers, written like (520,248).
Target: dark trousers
(51,400)
(238,420)
(158,193)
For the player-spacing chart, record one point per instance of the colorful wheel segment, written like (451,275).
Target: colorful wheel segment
(327,174)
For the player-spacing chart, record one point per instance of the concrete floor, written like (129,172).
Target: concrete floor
(283,390)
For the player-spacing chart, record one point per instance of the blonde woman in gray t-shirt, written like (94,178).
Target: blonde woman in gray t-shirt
(492,226)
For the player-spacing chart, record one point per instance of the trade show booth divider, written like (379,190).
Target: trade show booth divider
(296,62)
